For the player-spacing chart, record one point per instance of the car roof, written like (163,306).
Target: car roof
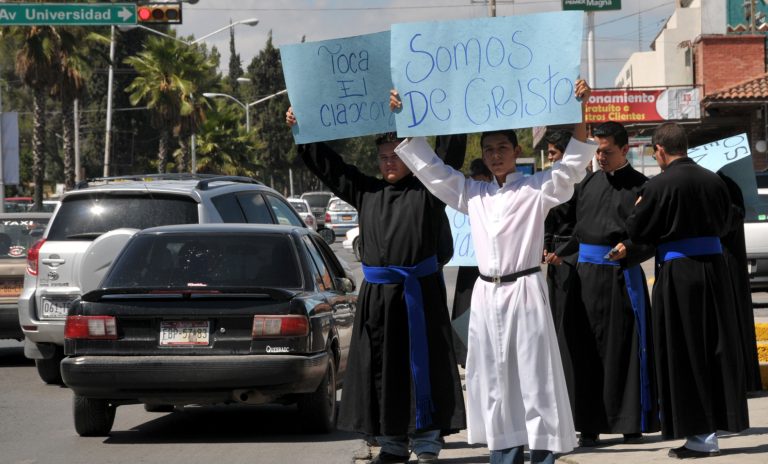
(193,187)
(223,228)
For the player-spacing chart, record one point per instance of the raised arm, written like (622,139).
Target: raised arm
(446,183)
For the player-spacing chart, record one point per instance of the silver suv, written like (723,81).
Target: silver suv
(51,282)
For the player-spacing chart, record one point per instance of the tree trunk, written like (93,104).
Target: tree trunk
(184,155)
(67,129)
(38,147)
(162,152)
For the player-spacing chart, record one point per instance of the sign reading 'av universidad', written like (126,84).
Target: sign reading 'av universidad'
(339,88)
(487,74)
(72,14)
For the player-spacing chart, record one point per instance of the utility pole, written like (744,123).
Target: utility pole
(752,21)
(492,8)
(110,79)
(2,156)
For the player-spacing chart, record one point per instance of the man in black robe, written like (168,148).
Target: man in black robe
(699,365)
(400,228)
(562,279)
(735,254)
(605,328)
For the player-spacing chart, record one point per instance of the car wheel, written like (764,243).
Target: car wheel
(318,409)
(153,407)
(93,417)
(48,369)
(327,235)
(357,250)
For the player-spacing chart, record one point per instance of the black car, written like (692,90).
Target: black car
(208,314)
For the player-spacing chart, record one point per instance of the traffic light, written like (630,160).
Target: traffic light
(159,13)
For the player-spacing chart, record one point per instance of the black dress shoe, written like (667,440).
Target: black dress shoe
(389,458)
(687,453)
(588,440)
(633,438)
(427,458)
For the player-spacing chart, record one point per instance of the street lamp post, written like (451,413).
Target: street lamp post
(246,107)
(247,22)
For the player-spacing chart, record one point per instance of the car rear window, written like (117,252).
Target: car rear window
(207,261)
(317,200)
(340,205)
(17,235)
(299,207)
(759,211)
(85,217)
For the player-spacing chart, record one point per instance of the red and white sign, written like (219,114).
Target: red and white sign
(647,105)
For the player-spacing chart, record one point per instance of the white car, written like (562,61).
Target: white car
(302,207)
(352,242)
(756,240)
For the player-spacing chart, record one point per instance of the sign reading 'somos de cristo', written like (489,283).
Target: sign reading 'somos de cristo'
(646,105)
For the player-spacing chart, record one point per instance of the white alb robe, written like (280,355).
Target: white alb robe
(516,391)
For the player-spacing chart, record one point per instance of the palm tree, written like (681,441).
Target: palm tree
(170,73)
(37,66)
(73,74)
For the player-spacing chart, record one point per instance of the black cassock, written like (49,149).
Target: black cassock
(600,328)
(399,225)
(562,280)
(735,253)
(699,363)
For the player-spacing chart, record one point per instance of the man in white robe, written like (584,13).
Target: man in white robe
(516,391)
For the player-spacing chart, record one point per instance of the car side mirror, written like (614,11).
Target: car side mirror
(345,284)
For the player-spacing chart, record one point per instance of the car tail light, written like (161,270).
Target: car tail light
(310,220)
(33,256)
(280,326)
(91,327)
(327,217)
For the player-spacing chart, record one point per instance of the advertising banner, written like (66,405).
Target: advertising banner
(644,105)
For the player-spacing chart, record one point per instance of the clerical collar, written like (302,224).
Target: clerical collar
(611,173)
(511,177)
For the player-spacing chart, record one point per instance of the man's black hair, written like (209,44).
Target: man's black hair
(672,137)
(478,168)
(509,133)
(559,139)
(388,137)
(612,129)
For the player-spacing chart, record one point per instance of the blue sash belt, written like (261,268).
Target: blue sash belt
(417,328)
(689,247)
(633,277)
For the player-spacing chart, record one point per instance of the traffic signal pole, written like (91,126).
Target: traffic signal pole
(110,80)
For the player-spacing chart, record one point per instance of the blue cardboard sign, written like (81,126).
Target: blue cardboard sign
(463,250)
(339,88)
(487,74)
(733,157)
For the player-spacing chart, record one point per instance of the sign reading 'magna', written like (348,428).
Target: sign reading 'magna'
(651,105)
(591,5)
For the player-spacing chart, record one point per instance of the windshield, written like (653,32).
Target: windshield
(317,200)
(85,217)
(758,212)
(340,205)
(206,261)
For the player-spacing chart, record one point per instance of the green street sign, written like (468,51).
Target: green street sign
(67,14)
(591,5)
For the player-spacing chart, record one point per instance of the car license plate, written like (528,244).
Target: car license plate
(11,287)
(184,333)
(55,309)
(346,218)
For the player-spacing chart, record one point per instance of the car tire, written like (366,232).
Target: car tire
(154,407)
(93,417)
(357,250)
(318,409)
(327,235)
(49,369)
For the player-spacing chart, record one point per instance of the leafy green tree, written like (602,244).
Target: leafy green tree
(223,145)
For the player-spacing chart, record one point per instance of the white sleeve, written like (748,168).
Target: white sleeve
(446,183)
(558,183)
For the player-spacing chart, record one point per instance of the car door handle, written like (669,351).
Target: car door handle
(54,261)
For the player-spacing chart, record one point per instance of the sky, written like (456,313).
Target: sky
(618,33)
